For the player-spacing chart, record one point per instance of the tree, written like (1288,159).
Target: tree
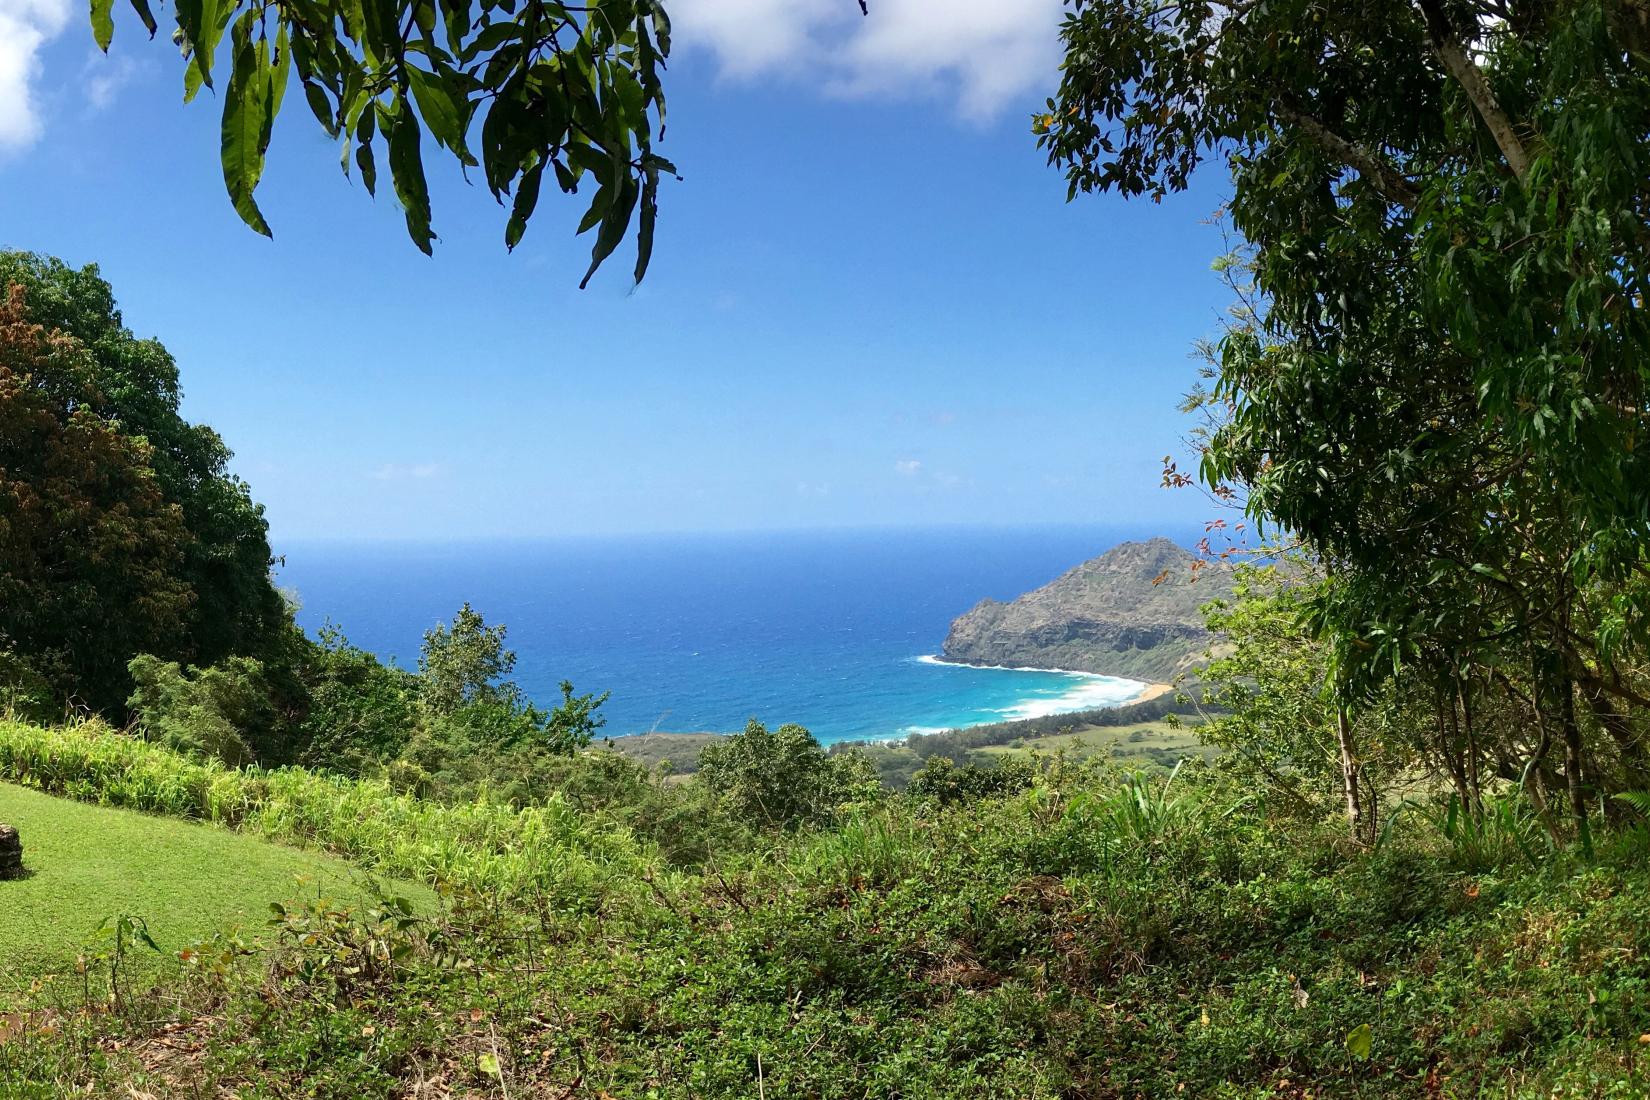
(783,778)
(532,88)
(234,607)
(204,710)
(361,712)
(91,549)
(477,731)
(1441,389)
(464,663)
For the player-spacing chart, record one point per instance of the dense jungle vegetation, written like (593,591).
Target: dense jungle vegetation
(1418,866)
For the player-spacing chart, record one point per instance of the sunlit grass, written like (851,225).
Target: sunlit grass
(186,880)
(1145,741)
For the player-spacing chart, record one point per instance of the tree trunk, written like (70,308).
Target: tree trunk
(1573,759)
(1536,791)
(1449,739)
(1349,774)
(1471,748)
(1620,729)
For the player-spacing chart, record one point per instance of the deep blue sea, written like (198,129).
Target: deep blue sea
(704,632)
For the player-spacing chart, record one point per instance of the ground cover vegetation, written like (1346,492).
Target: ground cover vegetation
(1067,930)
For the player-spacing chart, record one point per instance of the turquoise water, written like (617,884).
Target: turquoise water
(835,630)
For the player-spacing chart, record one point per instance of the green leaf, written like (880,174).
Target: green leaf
(443,114)
(407,169)
(644,227)
(280,69)
(457,15)
(368,166)
(491,38)
(364,129)
(424,16)
(148,17)
(489,1065)
(661,29)
(103,23)
(527,197)
(202,23)
(1359,1042)
(245,123)
(321,108)
(613,228)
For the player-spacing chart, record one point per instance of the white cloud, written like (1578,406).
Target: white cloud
(391,471)
(984,54)
(25,26)
(106,77)
(908,467)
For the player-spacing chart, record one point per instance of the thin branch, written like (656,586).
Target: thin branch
(1447,45)
(1376,169)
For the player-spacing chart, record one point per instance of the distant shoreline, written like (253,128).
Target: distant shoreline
(939,659)
(1148,691)
(1152,691)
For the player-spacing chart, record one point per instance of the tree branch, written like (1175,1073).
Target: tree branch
(1387,179)
(1447,45)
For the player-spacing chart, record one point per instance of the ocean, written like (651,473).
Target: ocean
(835,630)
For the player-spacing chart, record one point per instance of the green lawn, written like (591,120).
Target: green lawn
(186,880)
(1153,742)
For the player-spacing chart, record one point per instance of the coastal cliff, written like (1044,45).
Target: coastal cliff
(1132,611)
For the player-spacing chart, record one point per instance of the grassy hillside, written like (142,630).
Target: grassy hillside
(1157,743)
(186,880)
(679,750)
(1089,936)
(1133,611)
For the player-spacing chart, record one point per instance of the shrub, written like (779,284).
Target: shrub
(552,848)
(783,778)
(201,710)
(944,782)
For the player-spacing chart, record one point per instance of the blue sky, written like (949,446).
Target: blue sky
(869,304)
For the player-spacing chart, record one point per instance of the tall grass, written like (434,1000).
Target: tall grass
(869,848)
(1504,831)
(1141,810)
(550,848)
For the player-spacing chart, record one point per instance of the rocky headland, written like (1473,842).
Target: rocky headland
(1132,611)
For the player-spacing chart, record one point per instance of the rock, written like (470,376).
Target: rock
(1106,616)
(11,853)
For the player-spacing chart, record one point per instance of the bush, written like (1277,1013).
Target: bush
(201,710)
(361,711)
(783,779)
(944,782)
(552,848)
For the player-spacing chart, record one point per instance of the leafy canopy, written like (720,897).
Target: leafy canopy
(170,556)
(518,90)
(91,550)
(1439,383)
